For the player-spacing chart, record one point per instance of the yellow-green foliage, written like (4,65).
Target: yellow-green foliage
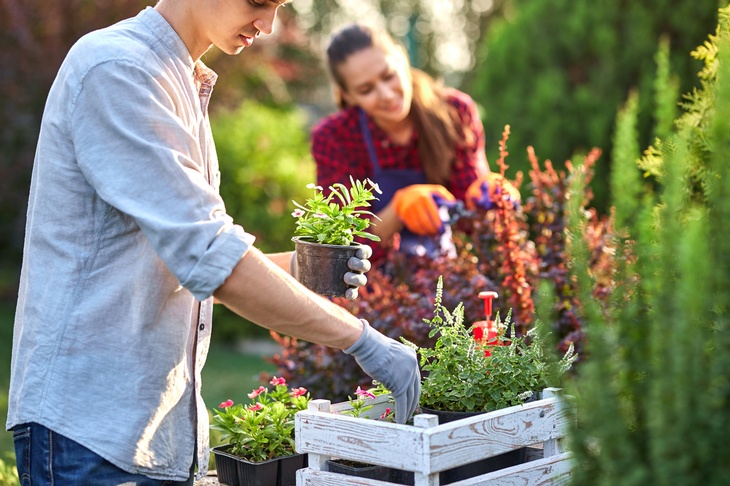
(8,474)
(654,397)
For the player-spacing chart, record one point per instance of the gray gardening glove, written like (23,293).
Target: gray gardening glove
(359,264)
(391,363)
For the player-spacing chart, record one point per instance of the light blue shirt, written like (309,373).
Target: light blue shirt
(126,240)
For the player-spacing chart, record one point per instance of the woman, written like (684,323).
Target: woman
(421,142)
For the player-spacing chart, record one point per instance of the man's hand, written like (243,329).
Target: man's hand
(359,264)
(484,191)
(393,364)
(417,206)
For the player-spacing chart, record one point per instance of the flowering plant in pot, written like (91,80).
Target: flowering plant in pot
(260,437)
(325,232)
(464,376)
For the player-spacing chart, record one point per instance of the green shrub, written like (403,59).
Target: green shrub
(265,164)
(654,399)
(557,69)
(8,473)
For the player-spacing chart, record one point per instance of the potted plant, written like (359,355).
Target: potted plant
(260,448)
(465,376)
(325,231)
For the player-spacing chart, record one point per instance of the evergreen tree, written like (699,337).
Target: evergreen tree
(654,399)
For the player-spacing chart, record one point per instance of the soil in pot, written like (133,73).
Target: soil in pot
(321,268)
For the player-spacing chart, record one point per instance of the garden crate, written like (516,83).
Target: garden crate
(427,448)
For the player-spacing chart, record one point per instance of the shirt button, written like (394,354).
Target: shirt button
(202,326)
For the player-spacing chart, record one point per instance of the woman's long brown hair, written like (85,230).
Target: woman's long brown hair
(439,128)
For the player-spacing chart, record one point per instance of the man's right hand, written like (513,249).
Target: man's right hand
(393,364)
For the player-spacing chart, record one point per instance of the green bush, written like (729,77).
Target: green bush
(8,473)
(265,164)
(557,69)
(654,399)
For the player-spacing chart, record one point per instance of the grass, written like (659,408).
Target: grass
(227,374)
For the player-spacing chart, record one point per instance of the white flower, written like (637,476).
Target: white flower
(375,186)
(320,216)
(297,213)
(311,185)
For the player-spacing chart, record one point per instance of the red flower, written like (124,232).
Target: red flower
(256,393)
(256,407)
(386,413)
(277,381)
(298,392)
(226,404)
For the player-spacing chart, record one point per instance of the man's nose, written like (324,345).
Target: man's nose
(265,23)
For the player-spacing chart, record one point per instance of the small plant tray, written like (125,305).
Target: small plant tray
(427,448)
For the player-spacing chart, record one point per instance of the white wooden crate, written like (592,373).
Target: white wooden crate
(427,448)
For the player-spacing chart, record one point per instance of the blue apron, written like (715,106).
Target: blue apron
(390,181)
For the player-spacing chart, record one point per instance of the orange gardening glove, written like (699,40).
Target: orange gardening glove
(484,191)
(417,207)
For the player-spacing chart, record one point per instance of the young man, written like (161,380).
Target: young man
(127,242)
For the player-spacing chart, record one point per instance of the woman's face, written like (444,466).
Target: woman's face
(379,82)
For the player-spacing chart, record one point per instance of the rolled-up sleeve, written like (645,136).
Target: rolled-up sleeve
(142,154)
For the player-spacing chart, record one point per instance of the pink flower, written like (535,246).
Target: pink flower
(277,381)
(298,392)
(297,213)
(256,407)
(226,404)
(363,393)
(256,393)
(386,413)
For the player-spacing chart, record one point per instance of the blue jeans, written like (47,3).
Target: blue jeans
(45,458)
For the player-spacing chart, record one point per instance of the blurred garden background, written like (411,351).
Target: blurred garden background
(567,76)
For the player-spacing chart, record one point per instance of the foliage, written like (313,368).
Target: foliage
(654,397)
(503,249)
(463,374)
(8,473)
(262,152)
(264,429)
(363,402)
(338,218)
(558,69)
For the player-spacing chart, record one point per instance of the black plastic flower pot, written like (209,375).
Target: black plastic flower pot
(264,473)
(237,471)
(490,464)
(321,268)
(226,465)
(359,470)
(288,467)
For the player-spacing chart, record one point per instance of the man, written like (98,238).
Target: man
(127,240)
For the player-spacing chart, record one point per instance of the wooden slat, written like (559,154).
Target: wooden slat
(551,471)
(310,477)
(475,438)
(370,441)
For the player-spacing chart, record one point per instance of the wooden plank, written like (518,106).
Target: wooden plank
(310,477)
(475,438)
(371,441)
(551,471)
